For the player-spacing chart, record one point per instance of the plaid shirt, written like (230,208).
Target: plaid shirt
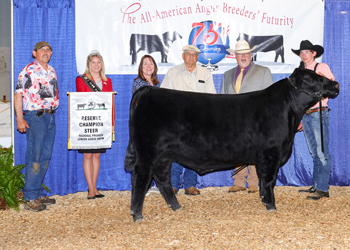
(38,87)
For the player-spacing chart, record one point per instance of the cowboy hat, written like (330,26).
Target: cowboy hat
(242,46)
(307,45)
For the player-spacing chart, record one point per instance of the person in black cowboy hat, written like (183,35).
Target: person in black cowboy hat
(311,124)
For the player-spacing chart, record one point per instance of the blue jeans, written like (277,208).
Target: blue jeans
(190,176)
(322,160)
(40,137)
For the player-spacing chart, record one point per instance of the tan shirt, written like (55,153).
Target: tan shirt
(179,78)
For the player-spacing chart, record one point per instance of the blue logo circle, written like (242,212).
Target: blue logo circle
(211,39)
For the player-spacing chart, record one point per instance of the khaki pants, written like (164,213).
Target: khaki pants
(243,177)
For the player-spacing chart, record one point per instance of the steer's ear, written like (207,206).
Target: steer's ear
(299,81)
(297,78)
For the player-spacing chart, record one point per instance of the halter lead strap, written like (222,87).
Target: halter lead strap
(318,93)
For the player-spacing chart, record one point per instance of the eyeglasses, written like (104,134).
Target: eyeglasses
(243,54)
(190,54)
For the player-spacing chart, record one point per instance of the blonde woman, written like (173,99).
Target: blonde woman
(95,79)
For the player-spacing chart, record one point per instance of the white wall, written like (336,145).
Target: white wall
(5,73)
(5,43)
(5,23)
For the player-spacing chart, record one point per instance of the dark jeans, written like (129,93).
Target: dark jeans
(40,137)
(322,160)
(190,176)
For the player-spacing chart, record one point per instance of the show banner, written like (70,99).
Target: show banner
(90,120)
(125,30)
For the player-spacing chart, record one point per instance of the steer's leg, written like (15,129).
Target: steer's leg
(261,182)
(269,196)
(268,175)
(262,190)
(162,176)
(268,183)
(140,180)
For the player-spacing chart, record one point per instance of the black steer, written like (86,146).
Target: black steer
(208,132)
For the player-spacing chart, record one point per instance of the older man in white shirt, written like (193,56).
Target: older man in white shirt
(194,78)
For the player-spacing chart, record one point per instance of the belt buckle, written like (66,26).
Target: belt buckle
(51,111)
(308,112)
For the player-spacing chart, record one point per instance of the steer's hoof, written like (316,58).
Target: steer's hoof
(175,208)
(180,208)
(131,212)
(138,218)
(270,207)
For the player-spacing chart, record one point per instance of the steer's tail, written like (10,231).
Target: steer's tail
(130,157)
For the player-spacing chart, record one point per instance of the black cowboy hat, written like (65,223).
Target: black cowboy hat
(307,45)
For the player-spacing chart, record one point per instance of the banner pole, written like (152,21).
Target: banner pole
(113,116)
(68,93)
(12,77)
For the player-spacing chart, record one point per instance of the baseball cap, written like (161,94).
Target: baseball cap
(41,44)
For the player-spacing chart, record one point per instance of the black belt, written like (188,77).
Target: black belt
(309,111)
(50,111)
(42,111)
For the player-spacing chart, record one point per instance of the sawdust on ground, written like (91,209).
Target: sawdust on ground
(215,219)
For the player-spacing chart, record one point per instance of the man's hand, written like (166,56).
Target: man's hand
(22,125)
(300,127)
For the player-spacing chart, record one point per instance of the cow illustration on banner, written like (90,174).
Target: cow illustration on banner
(152,43)
(265,44)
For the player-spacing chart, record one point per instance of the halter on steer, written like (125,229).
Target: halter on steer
(318,94)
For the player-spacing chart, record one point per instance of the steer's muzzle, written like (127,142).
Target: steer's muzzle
(335,91)
(337,85)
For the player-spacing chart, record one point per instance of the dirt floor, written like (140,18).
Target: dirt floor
(215,219)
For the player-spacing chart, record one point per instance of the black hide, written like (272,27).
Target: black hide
(208,132)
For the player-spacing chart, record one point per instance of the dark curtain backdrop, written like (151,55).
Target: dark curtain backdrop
(54,21)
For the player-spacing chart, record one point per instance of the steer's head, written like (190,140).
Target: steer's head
(313,84)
